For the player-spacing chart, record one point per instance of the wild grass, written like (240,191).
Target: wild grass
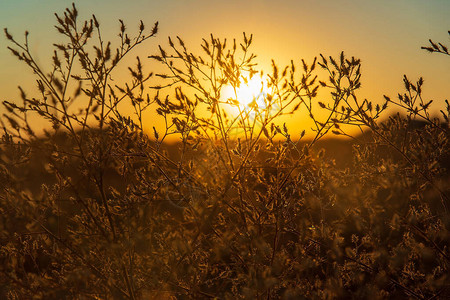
(96,208)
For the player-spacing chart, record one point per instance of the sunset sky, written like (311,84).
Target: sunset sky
(385,34)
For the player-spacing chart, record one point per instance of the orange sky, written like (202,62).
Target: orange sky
(386,35)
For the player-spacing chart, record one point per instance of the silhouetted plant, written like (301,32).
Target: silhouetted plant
(438,48)
(111,213)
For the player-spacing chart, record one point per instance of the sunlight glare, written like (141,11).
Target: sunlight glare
(246,93)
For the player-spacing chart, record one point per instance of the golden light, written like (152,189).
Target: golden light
(254,89)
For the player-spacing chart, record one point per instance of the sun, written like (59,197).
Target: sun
(248,93)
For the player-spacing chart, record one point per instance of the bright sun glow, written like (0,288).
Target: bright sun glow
(254,90)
